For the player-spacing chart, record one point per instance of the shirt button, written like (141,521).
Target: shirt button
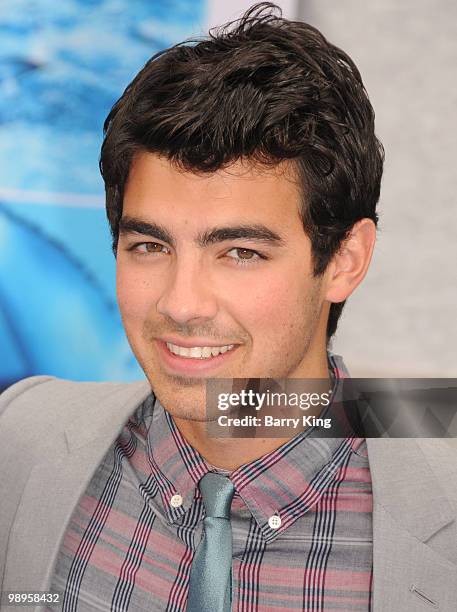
(274,521)
(176,501)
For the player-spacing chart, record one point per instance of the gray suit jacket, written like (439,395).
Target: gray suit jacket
(54,433)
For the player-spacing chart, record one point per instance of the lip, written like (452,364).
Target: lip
(189,366)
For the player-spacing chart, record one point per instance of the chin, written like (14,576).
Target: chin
(185,399)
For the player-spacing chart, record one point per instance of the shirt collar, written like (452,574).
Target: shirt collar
(286,482)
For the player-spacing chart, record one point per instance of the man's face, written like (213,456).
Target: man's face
(218,261)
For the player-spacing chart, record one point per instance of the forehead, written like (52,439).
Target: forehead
(157,189)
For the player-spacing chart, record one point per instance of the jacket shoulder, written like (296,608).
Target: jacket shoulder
(46,392)
(37,407)
(8,395)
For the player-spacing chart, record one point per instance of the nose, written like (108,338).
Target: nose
(188,294)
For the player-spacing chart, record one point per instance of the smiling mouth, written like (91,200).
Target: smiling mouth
(199,352)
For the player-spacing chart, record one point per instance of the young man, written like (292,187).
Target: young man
(242,174)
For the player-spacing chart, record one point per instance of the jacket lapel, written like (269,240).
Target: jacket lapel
(42,516)
(414,564)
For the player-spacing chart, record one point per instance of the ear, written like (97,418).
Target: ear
(350,264)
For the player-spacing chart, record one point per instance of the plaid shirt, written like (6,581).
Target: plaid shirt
(130,541)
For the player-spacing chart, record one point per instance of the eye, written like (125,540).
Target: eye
(145,248)
(244,257)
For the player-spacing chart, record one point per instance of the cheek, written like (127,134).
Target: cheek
(263,306)
(281,312)
(134,294)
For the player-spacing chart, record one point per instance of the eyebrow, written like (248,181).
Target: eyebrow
(257,232)
(131,225)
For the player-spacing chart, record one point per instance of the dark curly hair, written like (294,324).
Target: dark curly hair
(263,88)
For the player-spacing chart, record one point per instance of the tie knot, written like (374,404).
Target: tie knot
(217,493)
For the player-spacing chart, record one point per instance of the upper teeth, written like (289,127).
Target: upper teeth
(199,352)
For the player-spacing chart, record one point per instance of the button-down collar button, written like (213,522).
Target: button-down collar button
(274,521)
(176,501)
